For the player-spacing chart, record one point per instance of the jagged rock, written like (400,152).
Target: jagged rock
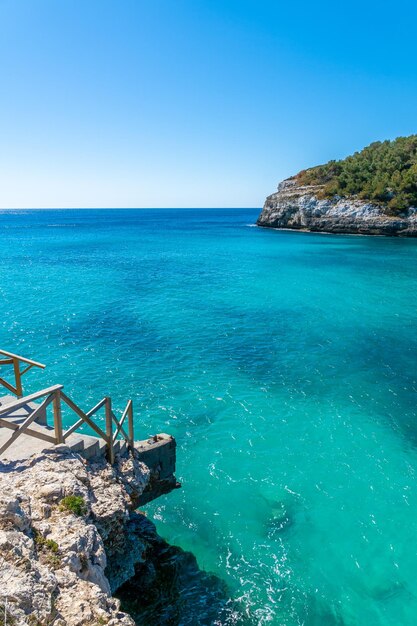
(298,207)
(56,566)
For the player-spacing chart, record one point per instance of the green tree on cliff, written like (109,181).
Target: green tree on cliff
(384,172)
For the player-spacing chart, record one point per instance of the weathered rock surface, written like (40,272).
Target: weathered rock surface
(57,567)
(298,208)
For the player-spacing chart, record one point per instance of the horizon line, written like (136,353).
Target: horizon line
(162,208)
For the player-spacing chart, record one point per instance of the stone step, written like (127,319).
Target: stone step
(123,448)
(19,415)
(76,443)
(102,448)
(90,447)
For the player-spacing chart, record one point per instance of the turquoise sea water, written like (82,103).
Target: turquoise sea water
(285,365)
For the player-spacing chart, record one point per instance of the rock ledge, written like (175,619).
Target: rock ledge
(298,208)
(60,568)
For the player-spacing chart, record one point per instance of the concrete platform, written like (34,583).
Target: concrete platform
(158,452)
(25,445)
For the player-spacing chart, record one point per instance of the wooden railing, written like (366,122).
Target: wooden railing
(55,396)
(15,360)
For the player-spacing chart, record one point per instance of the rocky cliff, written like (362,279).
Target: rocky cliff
(69,537)
(299,207)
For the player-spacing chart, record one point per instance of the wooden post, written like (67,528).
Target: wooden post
(58,418)
(109,431)
(130,423)
(17,377)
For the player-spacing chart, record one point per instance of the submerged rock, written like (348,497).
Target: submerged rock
(299,207)
(170,589)
(280,520)
(71,540)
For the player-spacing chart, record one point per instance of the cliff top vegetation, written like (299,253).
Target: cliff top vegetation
(384,172)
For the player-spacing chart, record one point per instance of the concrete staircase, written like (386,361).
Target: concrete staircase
(158,453)
(24,430)
(25,446)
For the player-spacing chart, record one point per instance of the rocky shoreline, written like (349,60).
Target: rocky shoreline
(297,207)
(75,551)
(69,537)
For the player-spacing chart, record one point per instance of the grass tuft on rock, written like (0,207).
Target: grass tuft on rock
(74,504)
(48,548)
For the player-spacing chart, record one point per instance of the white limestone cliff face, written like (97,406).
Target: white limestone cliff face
(57,567)
(298,208)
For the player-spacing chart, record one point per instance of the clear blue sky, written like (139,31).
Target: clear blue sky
(193,103)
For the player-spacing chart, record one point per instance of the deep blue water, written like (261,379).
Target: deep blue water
(284,364)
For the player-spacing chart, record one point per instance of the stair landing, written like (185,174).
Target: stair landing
(158,453)
(25,446)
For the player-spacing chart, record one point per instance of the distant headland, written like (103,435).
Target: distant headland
(372,192)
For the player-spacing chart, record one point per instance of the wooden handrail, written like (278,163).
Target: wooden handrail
(119,429)
(22,358)
(91,412)
(97,407)
(17,404)
(119,424)
(56,396)
(84,416)
(38,434)
(130,422)
(15,360)
(109,430)
(27,422)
